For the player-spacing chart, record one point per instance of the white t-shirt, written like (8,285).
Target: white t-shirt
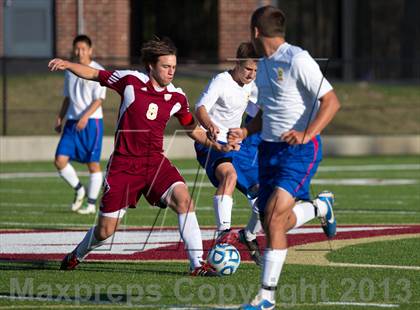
(290,84)
(225,102)
(82,93)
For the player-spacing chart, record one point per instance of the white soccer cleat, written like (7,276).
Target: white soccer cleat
(328,220)
(78,199)
(87,209)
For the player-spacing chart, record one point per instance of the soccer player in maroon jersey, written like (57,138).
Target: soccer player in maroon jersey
(138,166)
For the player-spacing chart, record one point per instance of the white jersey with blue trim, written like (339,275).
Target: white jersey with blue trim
(290,84)
(225,102)
(82,93)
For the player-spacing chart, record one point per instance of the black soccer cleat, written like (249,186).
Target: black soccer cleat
(253,248)
(227,236)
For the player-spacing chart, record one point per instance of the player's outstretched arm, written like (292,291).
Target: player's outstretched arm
(85,72)
(199,135)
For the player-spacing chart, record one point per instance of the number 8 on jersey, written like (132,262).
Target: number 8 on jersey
(152,111)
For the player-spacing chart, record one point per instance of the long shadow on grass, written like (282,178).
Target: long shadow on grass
(86,267)
(96,298)
(48,265)
(9,264)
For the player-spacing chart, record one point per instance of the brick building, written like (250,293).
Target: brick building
(356,34)
(234,17)
(107,22)
(112,25)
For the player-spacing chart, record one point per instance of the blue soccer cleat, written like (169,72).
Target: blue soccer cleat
(259,304)
(328,221)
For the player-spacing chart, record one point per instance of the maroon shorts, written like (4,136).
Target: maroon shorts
(128,178)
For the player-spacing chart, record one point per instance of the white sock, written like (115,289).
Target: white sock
(69,175)
(273,263)
(304,211)
(88,243)
(321,206)
(191,235)
(254,223)
(95,184)
(223,209)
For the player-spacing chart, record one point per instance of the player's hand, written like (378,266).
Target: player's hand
(294,137)
(81,124)
(58,124)
(212,132)
(234,147)
(225,148)
(235,136)
(58,64)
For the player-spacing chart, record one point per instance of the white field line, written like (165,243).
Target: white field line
(15,175)
(349,182)
(391,167)
(204,208)
(370,167)
(365,182)
(28,224)
(416,268)
(360,304)
(345,182)
(236,208)
(81,303)
(33,205)
(37,224)
(377,211)
(369,196)
(29,191)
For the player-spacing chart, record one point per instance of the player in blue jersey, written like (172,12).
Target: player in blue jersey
(81,138)
(221,106)
(297,103)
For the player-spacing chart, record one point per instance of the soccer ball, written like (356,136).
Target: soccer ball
(224,258)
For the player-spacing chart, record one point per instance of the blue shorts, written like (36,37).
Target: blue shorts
(83,146)
(290,167)
(244,161)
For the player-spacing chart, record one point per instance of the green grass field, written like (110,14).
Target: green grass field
(40,201)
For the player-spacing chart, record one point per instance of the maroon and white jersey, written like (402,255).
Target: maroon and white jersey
(144,111)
